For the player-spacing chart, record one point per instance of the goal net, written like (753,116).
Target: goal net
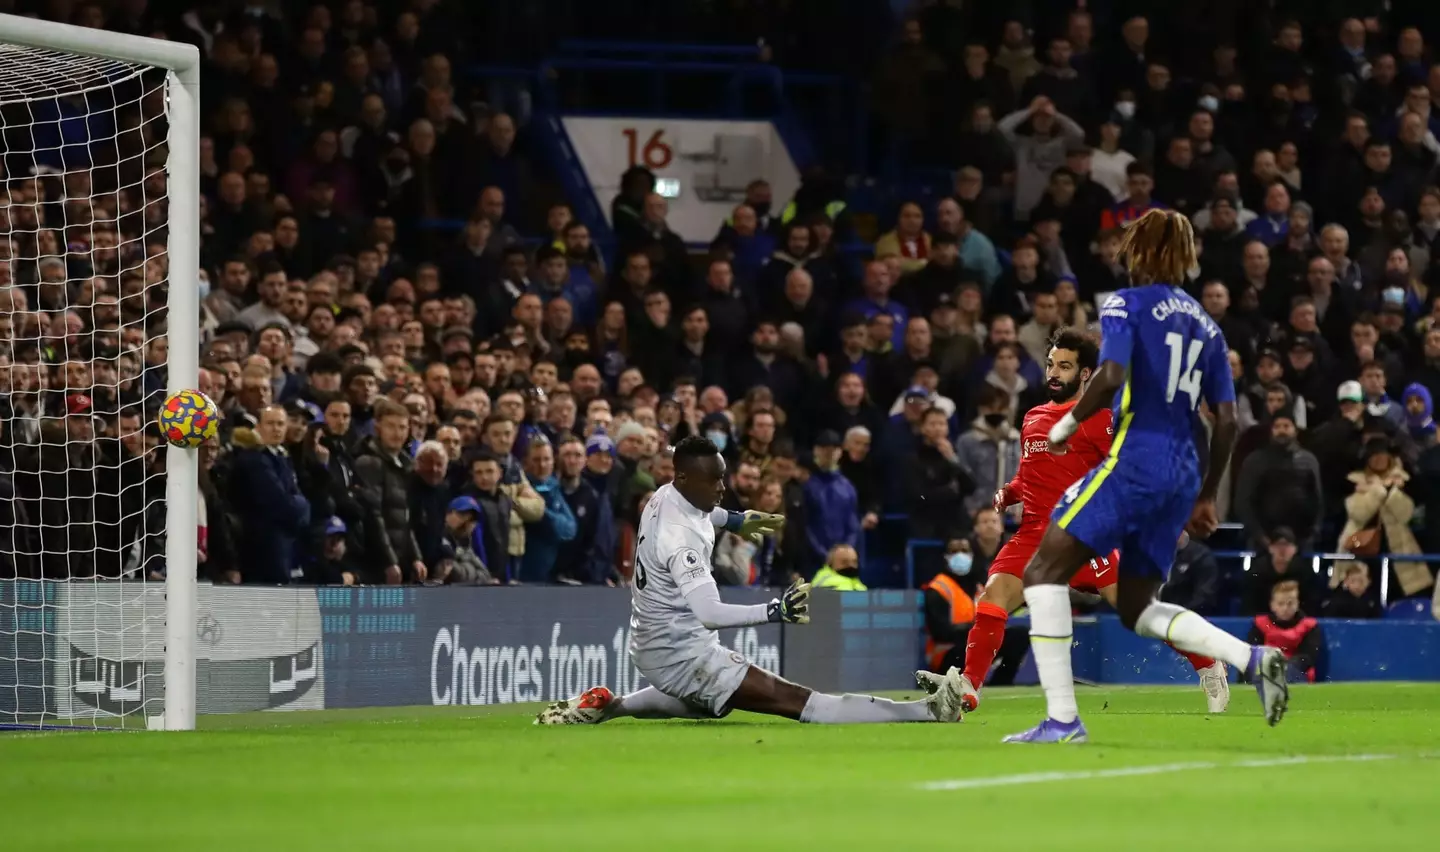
(98,322)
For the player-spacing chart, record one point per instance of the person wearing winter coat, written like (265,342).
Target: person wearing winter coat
(1279,486)
(314,463)
(218,560)
(1377,402)
(382,472)
(274,515)
(599,475)
(463,564)
(750,243)
(935,483)
(498,436)
(1194,581)
(1279,561)
(545,536)
(858,467)
(908,240)
(332,565)
(429,498)
(1350,598)
(990,449)
(575,562)
(1380,501)
(769,281)
(832,505)
(1005,375)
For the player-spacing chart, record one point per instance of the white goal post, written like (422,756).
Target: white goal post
(43,62)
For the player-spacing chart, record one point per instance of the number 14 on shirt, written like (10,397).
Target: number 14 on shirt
(1184,376)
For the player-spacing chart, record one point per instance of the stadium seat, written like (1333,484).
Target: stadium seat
(1410,609)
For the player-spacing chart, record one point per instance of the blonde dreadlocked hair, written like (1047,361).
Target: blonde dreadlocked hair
(1160,246)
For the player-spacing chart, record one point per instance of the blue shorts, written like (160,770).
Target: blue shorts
(1121,505)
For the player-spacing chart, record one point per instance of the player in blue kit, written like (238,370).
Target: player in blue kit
(1160,355)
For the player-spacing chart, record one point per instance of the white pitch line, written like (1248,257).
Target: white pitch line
(1022,696)
(1131,771)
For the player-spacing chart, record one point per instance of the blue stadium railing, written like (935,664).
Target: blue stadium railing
(1321,563)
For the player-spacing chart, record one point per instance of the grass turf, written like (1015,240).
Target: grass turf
(485,779)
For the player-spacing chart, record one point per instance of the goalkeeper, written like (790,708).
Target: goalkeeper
(676,611)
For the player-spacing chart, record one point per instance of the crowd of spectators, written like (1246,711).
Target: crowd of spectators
(407,403)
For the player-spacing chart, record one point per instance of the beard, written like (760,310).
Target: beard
(1063,391)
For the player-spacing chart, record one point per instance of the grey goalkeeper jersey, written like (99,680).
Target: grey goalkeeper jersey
(672,558)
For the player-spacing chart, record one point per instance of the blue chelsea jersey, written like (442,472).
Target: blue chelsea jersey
(1174,356)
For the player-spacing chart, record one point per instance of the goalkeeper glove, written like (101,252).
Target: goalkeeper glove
(793,607)
(758,525)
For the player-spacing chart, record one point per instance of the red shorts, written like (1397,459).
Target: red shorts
(1016,553)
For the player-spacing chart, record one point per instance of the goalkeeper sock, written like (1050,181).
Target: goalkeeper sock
(983,643)
(1187,631)
(651,703)
(1199,661)
(823,709)
(1051,634)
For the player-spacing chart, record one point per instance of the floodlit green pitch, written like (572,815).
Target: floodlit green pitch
(1352,767)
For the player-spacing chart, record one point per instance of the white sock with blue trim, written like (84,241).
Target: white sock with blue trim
(1051,635)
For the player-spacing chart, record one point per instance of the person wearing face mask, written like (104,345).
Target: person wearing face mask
(716,428)
(967,561)
(840,572)
(1280,486)
(949,609)
(990,448)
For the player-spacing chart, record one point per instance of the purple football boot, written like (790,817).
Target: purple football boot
(1051,731)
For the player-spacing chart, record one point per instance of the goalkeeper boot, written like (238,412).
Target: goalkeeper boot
(1267,671)
(946,692)
(969,695)
(586,709)
(1215,680)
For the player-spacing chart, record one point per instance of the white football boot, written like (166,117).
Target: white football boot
(588,708)
(1215,680)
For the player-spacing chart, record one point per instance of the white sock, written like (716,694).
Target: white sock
(651,703)
(1051,635)
(1189,632)
(823,709)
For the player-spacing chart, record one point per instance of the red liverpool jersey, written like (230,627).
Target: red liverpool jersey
(1043,476)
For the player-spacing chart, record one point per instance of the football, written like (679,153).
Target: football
(188,419)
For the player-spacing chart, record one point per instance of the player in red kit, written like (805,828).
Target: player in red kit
(1039,482)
